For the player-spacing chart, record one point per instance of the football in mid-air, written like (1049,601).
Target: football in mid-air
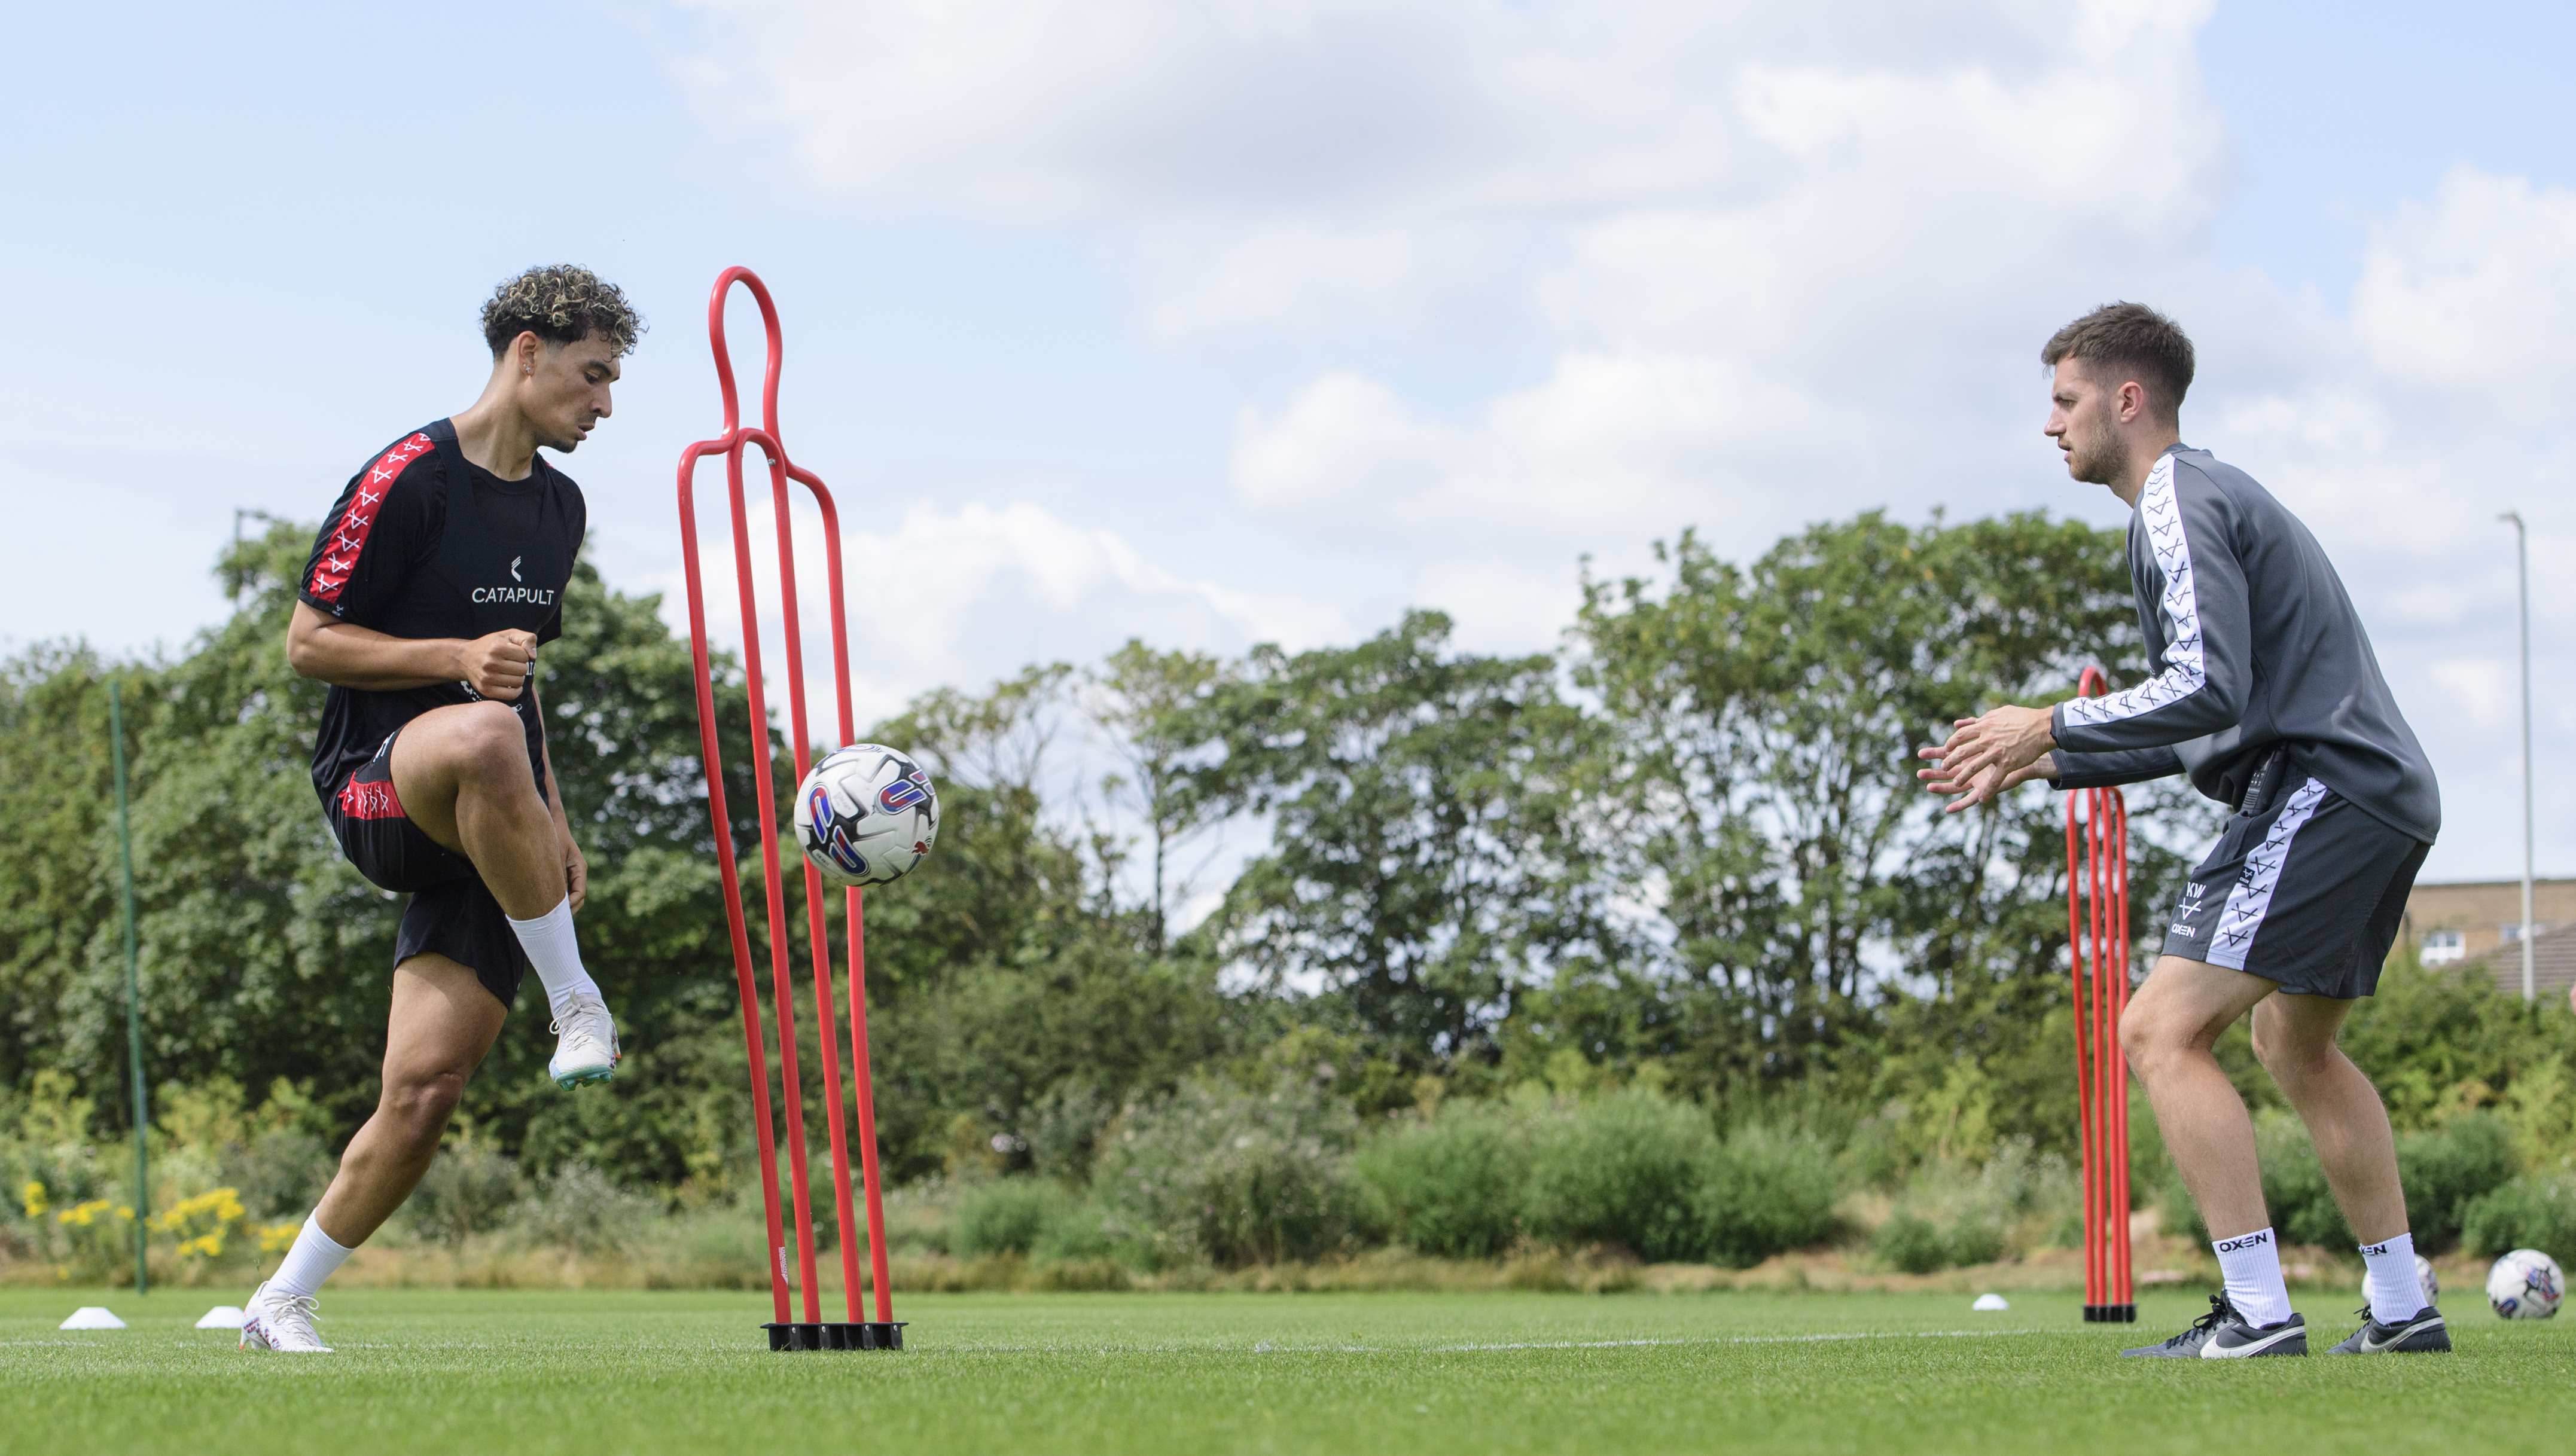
(2526,1284)
(866,814)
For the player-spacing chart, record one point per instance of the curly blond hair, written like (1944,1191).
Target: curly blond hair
(561,305)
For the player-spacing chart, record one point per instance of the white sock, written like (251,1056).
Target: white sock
(549,944)
(2251,1265)
(315,1257)
(2395,1293)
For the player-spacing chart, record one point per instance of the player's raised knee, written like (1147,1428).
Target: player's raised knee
(485,741)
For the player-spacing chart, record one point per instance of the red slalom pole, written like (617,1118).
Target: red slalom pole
(2123,1292)
(712,758)
(2087,1144)
(812,1332)
(2097,933)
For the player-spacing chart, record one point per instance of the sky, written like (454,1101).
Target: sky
(1225,322)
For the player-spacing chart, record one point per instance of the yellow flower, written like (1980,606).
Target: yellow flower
(81,1214)
(223,1204)
(33,1195)
(278,1237)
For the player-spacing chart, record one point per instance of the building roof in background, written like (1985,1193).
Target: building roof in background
(2553,963)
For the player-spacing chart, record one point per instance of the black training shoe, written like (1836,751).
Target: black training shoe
(2186,1346)
(2422,1334)
(2223,1334)
(2239,1340)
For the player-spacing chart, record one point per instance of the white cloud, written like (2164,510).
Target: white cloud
(2471,294)
(2483,691)
(1609,450)
(967,595)
(1286,162)
(1785,261)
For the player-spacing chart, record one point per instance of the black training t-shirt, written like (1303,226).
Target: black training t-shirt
(424,544)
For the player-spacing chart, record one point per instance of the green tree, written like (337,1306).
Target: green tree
(1801,887)
(264,955)
(1004,994)
(1140,699)
(1426,860)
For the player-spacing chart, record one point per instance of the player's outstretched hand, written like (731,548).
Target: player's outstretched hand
(1985,788)
(2006,738)
(1984,756)
(497,666)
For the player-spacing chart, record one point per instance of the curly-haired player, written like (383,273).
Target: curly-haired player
(437,576)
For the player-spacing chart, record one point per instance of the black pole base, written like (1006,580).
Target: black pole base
(2097,1314)
(836,1336)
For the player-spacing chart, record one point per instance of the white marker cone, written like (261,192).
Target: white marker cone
(92,1317)
(222,1317)
(1990,1302)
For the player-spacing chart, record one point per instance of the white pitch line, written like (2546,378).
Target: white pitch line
(1267,1348)
(1710,1340)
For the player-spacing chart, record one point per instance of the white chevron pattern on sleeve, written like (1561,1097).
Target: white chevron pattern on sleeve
(2160,510)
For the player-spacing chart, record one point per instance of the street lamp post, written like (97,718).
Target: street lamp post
(2522,563)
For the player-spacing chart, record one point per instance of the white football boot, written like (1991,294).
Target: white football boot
(585,1043)
(282,1322)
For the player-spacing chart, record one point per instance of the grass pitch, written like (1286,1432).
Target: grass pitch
(452,1371)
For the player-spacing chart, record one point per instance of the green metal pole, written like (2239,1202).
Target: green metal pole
(133,988)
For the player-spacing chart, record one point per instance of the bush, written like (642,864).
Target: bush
(1451,1186)
(1953,1214)
(1064,1130)
(2301,1203)
(1232,1176)
(470,1189)
(2527,1213)
(1762,1193)
(1624,1169)
(1074,1235)
(279,1173)
(579,1209)
(2449,1169)
(2445,1170)
(1264,1198)
(1912,1243)
(1005,1216)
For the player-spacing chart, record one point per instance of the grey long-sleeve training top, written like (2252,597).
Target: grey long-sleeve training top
(2257,645)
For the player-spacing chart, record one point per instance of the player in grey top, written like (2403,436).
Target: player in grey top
(2267,694)
(2260,647)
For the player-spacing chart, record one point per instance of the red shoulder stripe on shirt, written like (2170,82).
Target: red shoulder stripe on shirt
(331,571)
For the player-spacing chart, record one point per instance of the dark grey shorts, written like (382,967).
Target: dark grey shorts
(2304,889)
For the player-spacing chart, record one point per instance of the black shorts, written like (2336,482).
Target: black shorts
(2304,888)
(451,912)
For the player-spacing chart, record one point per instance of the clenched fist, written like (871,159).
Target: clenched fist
(498,666)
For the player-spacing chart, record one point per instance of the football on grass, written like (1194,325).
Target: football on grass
(2526,1284)
(866,814)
